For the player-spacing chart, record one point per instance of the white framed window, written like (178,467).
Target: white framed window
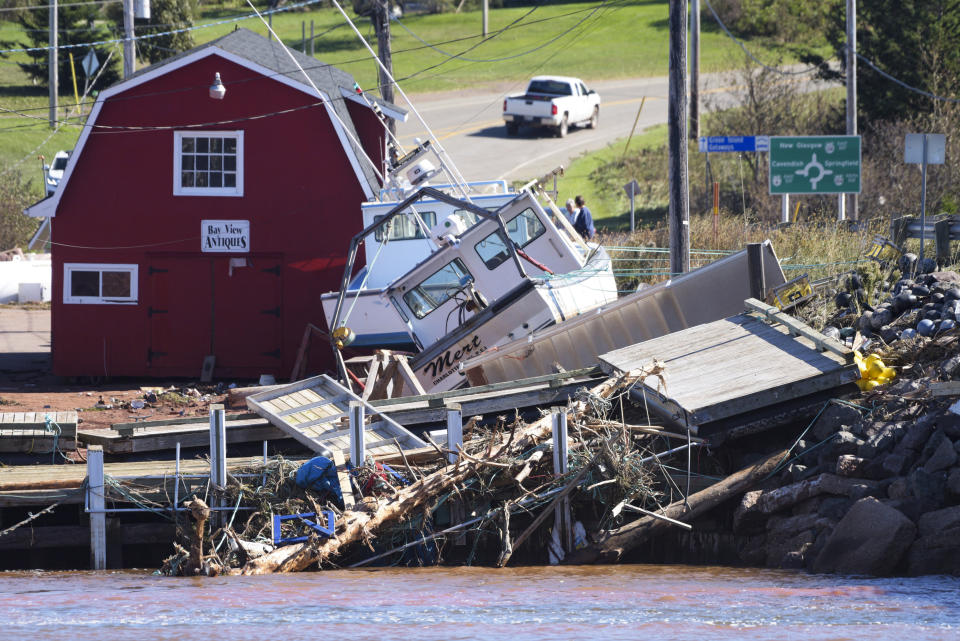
(208,163)
(100,283)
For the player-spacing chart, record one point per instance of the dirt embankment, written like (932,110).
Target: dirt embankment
(99,407)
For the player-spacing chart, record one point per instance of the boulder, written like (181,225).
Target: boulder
(882,439)
(928,489)
(870,539)
(937,550)
(939,521)
(934,442)
(843,442)
(894,464)
(943,457)
(953,481)
(950,424)
(850,465)
(835,418)
(916,435)
(899,489)
(834,507)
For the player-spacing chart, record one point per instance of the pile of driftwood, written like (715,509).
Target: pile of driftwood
(501,499)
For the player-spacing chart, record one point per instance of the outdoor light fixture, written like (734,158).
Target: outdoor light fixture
(217,90)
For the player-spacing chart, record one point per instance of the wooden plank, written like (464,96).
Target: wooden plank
(343,475)
(945,388)
(204,420)
(822,342)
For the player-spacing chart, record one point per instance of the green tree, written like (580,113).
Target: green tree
(165,16)
(15,195)
(916,41)
(76,24)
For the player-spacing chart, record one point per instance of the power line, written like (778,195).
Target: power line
(903,84)
(110,128)
(49,6)
(321,65)
(164,33)
(747,51)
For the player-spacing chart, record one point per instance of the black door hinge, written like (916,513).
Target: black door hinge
(275,270)
(275,311)
(151,311)
(155,270)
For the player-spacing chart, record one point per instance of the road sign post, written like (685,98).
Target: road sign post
(924,149)
(632,188)
(814,165)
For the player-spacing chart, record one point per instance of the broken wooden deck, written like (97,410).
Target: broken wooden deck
(734,366)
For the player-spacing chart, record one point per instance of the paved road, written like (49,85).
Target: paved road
(24,343)
(471,129)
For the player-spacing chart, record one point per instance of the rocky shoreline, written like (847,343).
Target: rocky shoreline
(873,482)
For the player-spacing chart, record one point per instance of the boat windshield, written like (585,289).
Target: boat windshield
(438,288)
(405,227)
(471,218)
(60,163)
(522,229)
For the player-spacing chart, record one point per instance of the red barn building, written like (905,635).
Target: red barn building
(188,226)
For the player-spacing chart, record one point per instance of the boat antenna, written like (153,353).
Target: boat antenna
(445,161)
(333,110)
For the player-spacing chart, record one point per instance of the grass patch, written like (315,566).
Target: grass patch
(589,40)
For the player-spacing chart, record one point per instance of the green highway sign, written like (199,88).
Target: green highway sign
(815,164)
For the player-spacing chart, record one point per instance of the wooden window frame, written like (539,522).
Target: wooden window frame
(179,190)
(69,268)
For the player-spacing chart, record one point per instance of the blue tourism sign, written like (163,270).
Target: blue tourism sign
(734,143)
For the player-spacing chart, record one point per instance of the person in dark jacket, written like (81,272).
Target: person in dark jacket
(584,221)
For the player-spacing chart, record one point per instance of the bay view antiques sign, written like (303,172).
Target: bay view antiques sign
(229,236)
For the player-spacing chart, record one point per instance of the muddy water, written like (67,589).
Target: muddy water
(610,603)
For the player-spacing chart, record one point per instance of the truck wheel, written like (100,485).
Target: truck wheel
(512,128)
(562,129)
(595,118)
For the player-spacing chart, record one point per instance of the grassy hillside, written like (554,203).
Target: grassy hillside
(590,40)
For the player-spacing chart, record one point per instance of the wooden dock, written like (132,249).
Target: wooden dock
(46,484)
(195,433)
(733,367)
(36,432)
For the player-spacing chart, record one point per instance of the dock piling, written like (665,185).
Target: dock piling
(358,447)
(218,458)
(95,504)
(562,518)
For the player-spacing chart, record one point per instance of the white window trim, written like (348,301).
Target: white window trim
(207,191)
(69,268)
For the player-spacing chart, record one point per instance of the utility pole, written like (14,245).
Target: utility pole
(852,88)
(129,51)
(381,21)
(695,70)
(677,139)
(53,79)
(486,17)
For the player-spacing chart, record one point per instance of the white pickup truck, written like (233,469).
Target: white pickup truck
(552,101)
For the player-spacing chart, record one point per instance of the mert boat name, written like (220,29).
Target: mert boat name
(446,361)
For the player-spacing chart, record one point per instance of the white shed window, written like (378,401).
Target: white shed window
(99,283)
(208,163)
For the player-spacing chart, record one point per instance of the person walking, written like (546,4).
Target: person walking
(583,222)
